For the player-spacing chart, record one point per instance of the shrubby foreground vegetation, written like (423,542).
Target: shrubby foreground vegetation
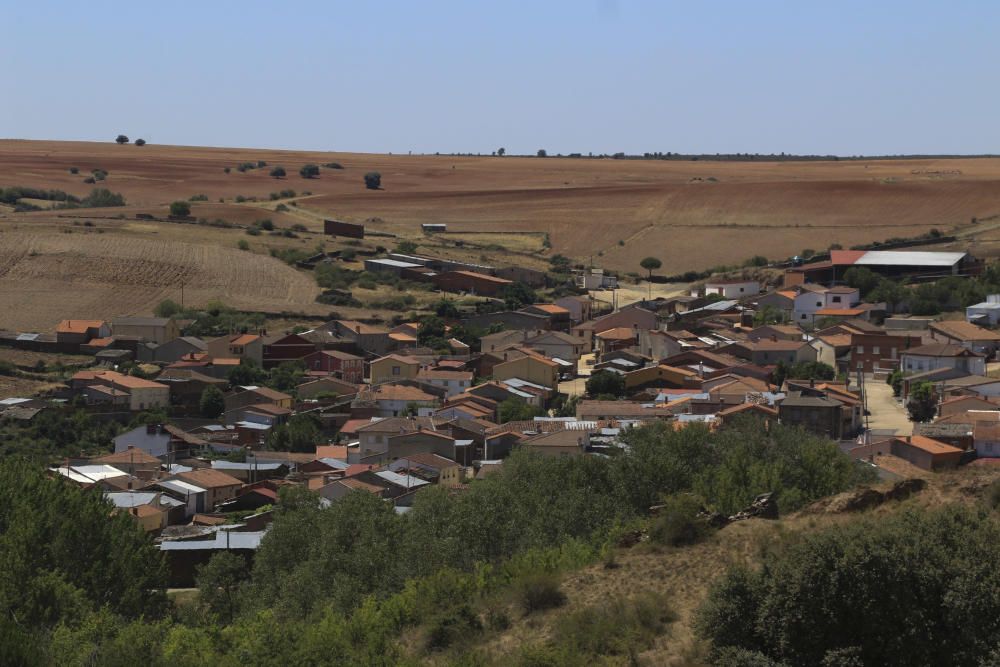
(343,585)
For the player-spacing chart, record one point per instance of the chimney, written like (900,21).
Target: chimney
(357,329)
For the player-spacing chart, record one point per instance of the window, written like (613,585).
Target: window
(892,353)
(819,304)
(395,370)
(861,349)
(836,299)
(803,316)
(875,349)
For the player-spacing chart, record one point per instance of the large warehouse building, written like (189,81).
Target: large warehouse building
(891,263)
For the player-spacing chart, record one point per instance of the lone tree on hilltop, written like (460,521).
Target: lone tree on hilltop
(121,139)
(501,151)
(650,264)
(373,180)
(309,171)
(140,142)
(278,172)
(541,153)
(180,209)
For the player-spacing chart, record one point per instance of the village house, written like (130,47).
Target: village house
(434,468)
(971,337)
(156,329)
(125,390)
(218,485)
(470,282)
(171,351)
(364,337)
(285,349)
(985,313)
(732,289)
(567,442)
(392,368)
(833,350)
(525,365)
(558,316)
(580,307)
(238,346)
(556,345)
(632,317)
(619,338)
(325,385)
(343,365)
(453,382)
(769,352)
(937,356)
(243,397)
(821,415)
(875,352)
(81,331)
(502,340)
(775,332)
(394,400)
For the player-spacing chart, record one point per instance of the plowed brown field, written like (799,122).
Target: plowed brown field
(690,214)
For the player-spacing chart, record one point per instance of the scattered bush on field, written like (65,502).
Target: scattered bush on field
(373,180)
(180,209)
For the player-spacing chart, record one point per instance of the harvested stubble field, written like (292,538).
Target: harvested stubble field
(690,214)
(47,276)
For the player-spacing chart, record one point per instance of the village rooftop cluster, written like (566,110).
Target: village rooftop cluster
(396,417)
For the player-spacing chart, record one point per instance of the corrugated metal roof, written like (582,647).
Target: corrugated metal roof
(131,498)
(406,481)
(179,486)
(223,539)
(235,465)
(909,258)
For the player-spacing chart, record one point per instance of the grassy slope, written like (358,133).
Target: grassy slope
(684,575)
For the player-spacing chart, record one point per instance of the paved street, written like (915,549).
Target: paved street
(886,412)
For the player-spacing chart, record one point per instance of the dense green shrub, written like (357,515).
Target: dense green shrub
(538,591)
(678,522)
(915,588)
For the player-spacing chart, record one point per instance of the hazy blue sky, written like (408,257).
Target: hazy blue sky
(839,77)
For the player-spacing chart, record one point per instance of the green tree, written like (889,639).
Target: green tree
(889,292)
(167,308)
(278,172)
(431,331)
(541,153)
(373,180)
(246,374)
(922,402)
(219,583)
(514,409)
(850,594)
(121,139)
(180,209)
(212,403)
(518,295)
(406,247)
(605,383)
(140,142)
(501,151)
(309,171)
(895,380)
(66,552)
(650,264)
(862,278)
(301,434)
